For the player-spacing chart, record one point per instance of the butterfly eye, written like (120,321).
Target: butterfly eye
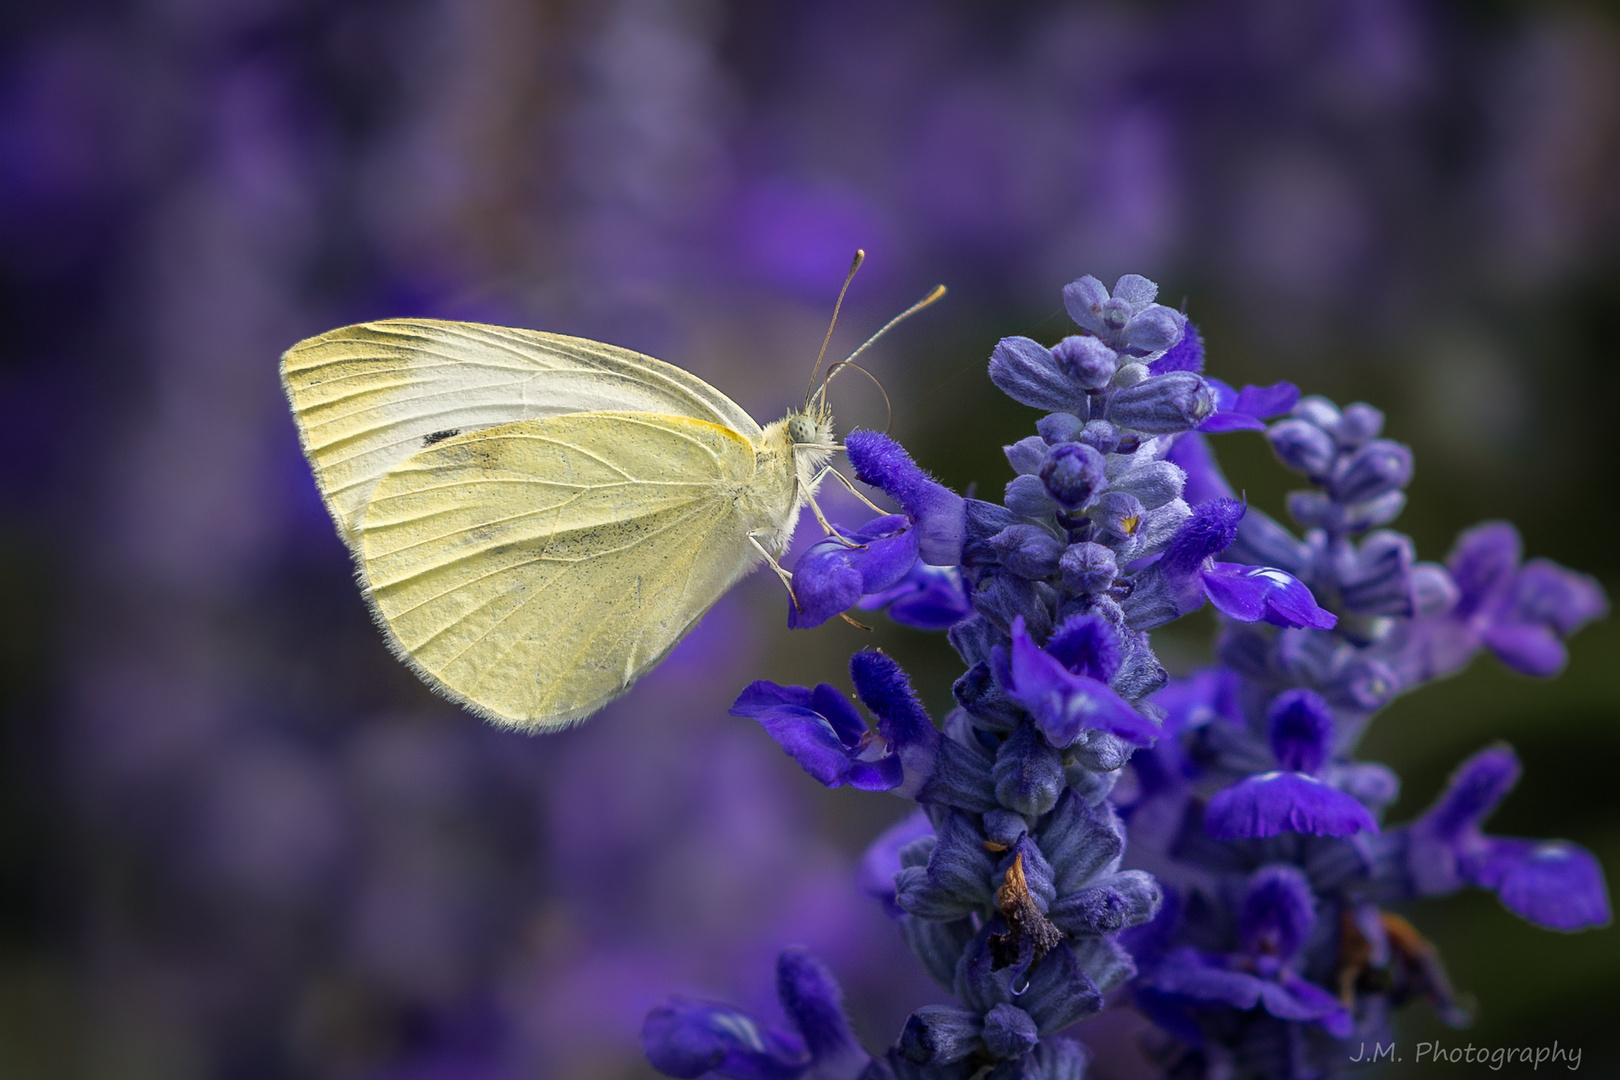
(801,429)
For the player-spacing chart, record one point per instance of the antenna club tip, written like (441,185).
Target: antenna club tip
(860,257)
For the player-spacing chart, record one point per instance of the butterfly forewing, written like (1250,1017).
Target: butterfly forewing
(533,570)
(368,397)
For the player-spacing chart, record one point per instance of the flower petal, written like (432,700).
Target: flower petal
(689,1039)
(1554,884)
(1255,593)
(833,574)
(1276,802)
(1278,912)
(1064,703)
(936,512)
(927,598)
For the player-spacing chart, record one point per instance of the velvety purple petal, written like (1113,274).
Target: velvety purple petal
(1267,401)
(1223,422)
(1225,396)
(1475,789)
(1208,532)
(880,774)
(827,580)
(1186,973)
(1277,913)
(1086,645)
(1234,593)
(1482,563)
(1062,702)
(1545,592)
(1185,355)
(937,513)
(888,559)
(814,1004)
(1276,802)
(1199,698)
(1293,998)
(1299,726)
(938,607)
(759,696)
(809,739)
(874,875)
(1528,648)
(927,598)
(1554,884)
(883,688)
(1253,593)
(833,574)
(840,712)
(689,1039)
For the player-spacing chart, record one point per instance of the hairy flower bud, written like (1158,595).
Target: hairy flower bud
(1163,404)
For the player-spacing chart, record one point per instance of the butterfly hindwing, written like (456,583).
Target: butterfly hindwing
(533,570)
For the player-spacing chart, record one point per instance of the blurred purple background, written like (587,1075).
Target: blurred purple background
(238,840)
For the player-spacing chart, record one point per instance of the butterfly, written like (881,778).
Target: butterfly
(536,519)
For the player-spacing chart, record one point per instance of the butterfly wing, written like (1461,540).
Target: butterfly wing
(532,571)
(367,397)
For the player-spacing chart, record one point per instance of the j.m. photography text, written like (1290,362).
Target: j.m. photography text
(1494,1058)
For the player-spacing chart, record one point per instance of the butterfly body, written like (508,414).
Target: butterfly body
(536,519)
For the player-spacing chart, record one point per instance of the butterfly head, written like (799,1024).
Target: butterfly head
(812,427)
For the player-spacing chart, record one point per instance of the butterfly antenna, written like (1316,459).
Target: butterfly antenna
(933,295)
(860,257)
(887,404)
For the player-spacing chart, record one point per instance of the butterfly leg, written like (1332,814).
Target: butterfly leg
(815,508)
(825,469)
(786,576)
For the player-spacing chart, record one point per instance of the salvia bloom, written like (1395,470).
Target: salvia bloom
(1262,940)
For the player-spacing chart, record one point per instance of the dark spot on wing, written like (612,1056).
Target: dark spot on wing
(440,436)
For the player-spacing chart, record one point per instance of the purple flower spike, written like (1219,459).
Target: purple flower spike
(1277,802)
(935,510)
(1247,409)
(1253,593)
(831,577)
(821,730)
(1554,884)
(1300,727)
(1063,703)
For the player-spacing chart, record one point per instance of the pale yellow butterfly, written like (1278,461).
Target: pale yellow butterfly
(537,519)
